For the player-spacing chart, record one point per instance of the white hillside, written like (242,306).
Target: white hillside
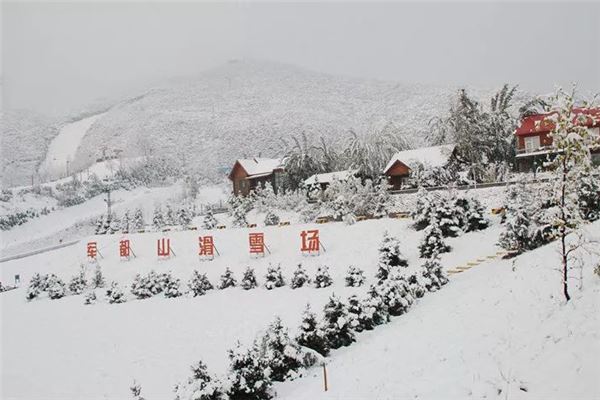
(479,334)
(63,147)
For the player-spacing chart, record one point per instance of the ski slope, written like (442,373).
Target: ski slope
(63,147)
(500,325)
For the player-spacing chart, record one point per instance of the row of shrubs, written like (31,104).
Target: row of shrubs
(153,283)
(275,356)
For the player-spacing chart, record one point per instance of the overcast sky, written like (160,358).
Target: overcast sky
(60,56)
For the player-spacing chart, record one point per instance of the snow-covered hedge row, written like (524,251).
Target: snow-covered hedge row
(275,356)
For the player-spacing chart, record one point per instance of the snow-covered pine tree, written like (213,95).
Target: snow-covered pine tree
(158,219)
(227,279)
(336,324)
(588,194)
(355,277)
(238,209)
(171,286)
(518,231)
(425,208)
(322,277)
(126,222)
(78,283)
(394,292)
(300,278)
(145,286)
(89,298)
(473,214)
(199,284)
(114,225)
(169,216)
(571,143)
(248,377)
(311,334)
(374,311)
(274,278)
(249,279)
(138,222)
(98,278)
(356,313)
(209,221)
(433,240)
(37,285)
(101,225)
(390,257)
(433,274)
(184,217)
(136,391)
(450,217)
(114,294)
(56,288)
(383,200)
(417,282)
(271,219)
(281,354)
(200,386)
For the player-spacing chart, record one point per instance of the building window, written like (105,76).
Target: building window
(532,143)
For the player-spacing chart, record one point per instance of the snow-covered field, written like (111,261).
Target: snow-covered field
(494,328)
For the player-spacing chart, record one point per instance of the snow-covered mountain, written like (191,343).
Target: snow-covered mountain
(245,108)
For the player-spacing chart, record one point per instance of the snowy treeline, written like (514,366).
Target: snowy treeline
(134,221)
(276,356)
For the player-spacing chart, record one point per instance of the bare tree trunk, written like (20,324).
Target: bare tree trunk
(563,230)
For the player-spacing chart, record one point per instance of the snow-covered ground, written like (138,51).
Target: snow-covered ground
(63,147)
(494,328)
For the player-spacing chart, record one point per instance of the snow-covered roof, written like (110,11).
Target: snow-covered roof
(435,156)
(260,166)
(330,177)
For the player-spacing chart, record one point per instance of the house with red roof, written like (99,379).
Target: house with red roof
(534,143)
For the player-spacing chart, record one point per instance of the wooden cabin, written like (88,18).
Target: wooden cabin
(247,174)
(398,169)
(534,143)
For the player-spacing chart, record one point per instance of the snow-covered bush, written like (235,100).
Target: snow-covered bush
(248,376)
(89,298)
(281,354)
(249,279)
(271,218)
(209,221)
(355,277)
(200,386)
(311,334)
(183,217)
(145,286)
(158,219)
(227,279)
(238,209)
(433,274)
(171,286)
(374,311)
(274,278)
(356,313)
(336,324)
(37,285)
(390,257)
(433,241)
(394,292)
(138,222)
(98,278)
(417,281)
(322,277)
(114,294)
(78,283)
(300,278)
(588,194)
(199,284)
(56,287)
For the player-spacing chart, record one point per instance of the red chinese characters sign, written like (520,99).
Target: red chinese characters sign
(257,243)
(310,241)
(206,247)
(92,250)
(124,248)
(163,247)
